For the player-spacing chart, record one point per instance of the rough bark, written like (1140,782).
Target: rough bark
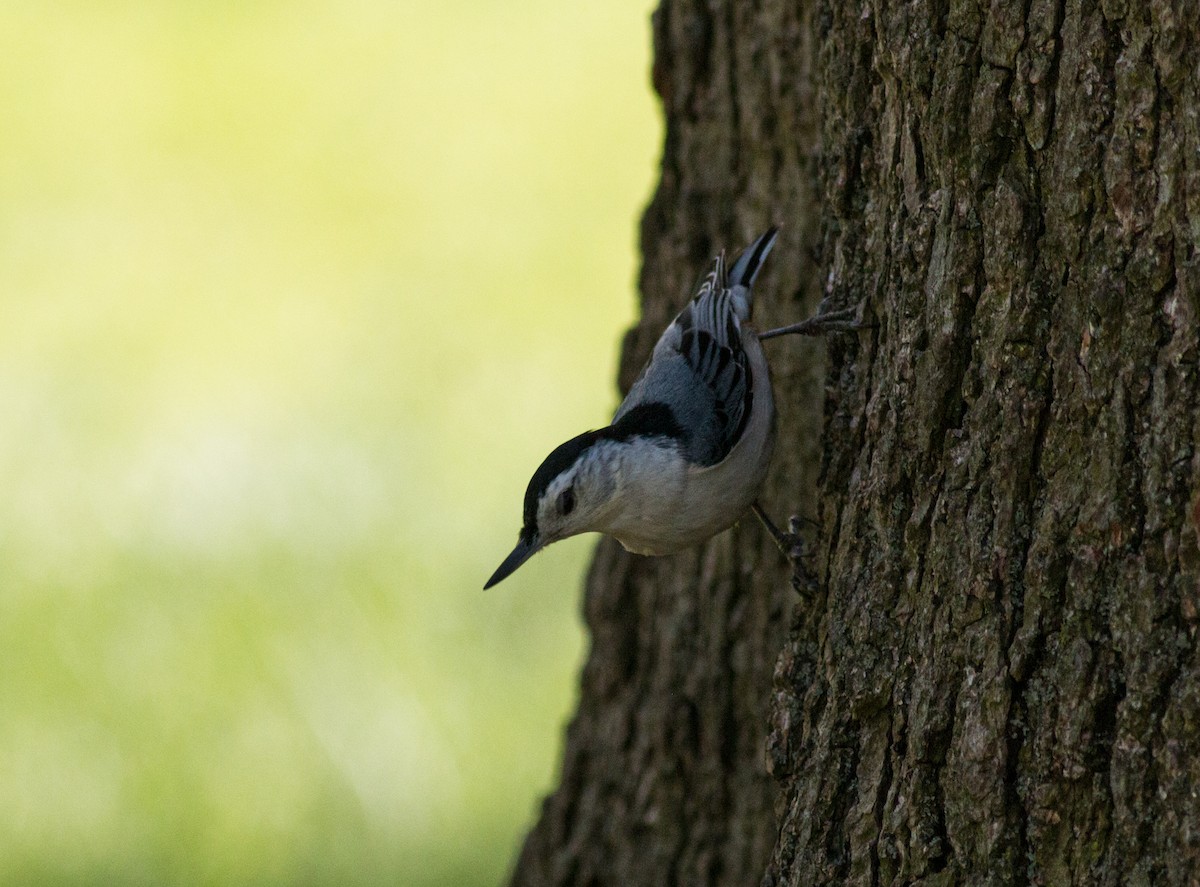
(998,679)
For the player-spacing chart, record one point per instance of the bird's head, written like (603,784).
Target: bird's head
(569,494)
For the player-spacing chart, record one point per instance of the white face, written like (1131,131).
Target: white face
(579,499)
(568,507)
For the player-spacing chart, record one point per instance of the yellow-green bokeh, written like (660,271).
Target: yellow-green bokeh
(293,299)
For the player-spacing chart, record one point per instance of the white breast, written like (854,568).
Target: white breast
(667,506)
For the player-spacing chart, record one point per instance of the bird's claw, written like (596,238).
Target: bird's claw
(804,580)
(792,543)
(794,548)
(844,320)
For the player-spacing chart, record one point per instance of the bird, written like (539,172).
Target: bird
(687,451)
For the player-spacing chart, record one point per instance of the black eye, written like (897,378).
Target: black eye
(566,501)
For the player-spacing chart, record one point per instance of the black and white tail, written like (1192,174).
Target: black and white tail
(750,262)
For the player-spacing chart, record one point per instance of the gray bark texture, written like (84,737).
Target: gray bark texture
(997,677)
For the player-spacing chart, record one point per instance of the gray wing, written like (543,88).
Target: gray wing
(701,372)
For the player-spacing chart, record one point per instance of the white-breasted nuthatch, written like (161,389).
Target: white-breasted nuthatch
(688,449)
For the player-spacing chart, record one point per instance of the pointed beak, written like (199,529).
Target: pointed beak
(526,546)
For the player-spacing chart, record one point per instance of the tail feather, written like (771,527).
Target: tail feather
(749,263)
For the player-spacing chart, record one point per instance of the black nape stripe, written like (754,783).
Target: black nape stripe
(560,459)
(644,420)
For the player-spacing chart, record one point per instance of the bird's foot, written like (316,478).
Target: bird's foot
(794,548)
(843,321)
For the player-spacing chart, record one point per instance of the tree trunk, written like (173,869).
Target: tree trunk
(997,680)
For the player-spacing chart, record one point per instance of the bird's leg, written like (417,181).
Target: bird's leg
(792,545)
(843,321)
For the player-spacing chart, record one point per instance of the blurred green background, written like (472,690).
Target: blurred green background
(293,299)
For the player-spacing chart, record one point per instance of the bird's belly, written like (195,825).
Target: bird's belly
(698,503)
(707,504)
(667,507)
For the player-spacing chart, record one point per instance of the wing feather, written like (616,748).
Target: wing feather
(702,373)
(699,368)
